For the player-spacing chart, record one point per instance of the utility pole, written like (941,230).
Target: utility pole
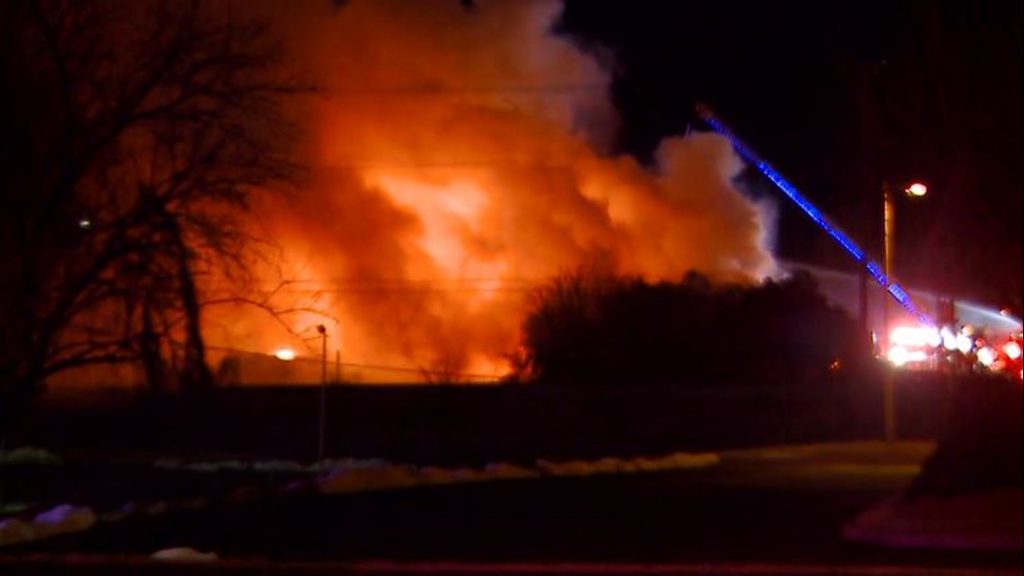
(914,190)
(323,393)
(889,382)
(866,77)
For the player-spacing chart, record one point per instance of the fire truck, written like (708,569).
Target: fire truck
(927,342)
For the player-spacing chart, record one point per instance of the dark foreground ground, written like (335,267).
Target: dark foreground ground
(761,511)
(756,509)
(470,425)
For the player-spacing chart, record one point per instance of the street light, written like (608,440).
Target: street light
(914,190)
(284,354)
(322,330)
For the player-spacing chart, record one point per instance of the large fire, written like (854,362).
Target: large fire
(458,159)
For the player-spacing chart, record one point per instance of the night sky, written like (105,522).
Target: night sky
(840,96)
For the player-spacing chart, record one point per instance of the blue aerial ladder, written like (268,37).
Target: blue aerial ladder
(851,247)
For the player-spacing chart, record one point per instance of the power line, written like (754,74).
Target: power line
(395,279)
(371,291)
(395,286)
(439,90)
(360,365)
(358,164)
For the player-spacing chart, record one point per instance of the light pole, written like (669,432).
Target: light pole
(914,190)
(323,392)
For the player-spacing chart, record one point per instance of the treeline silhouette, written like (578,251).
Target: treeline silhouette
(595,330)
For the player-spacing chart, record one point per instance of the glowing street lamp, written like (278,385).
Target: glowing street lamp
(916,189)
(322,330)
(284,354)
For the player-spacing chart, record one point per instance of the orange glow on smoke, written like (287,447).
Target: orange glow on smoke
(457,160)
(451,216)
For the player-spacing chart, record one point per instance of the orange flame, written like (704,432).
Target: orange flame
(457,162)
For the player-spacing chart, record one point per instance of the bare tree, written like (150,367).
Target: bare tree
(134,136)
(563,316)
(446,368)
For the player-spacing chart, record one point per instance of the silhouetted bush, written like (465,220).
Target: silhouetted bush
(586,330)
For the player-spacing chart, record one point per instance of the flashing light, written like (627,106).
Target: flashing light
(916,189)
(986,356)
(901,356)
(948,338)
(915,336)
(918,356)
(749,156)
(964,343)
(284,354)
(85,224)
(1012,350)
(898,355)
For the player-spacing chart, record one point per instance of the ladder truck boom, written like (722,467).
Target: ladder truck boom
(851,247)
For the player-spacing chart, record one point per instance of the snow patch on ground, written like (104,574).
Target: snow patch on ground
(266,466)
(184,554)
(57,520)
(345,480)
(677,461)
(29,455)
(387,476)
(333,477)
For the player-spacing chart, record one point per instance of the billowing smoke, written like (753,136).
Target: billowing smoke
(457,161)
